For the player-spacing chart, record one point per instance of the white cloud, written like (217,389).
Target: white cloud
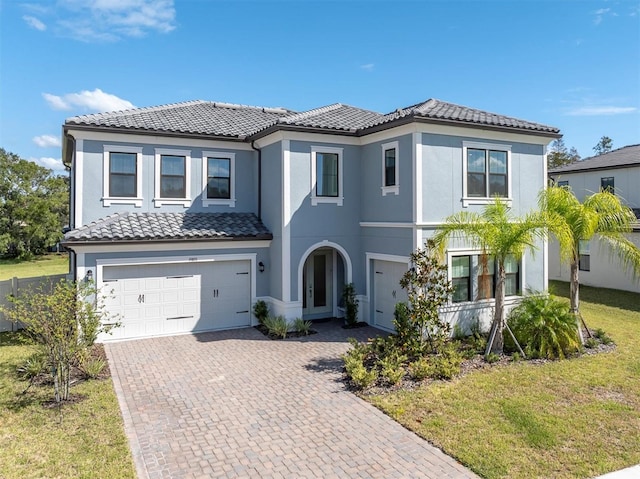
(368,66)
(601,110)
(110,20)
(599,15)
(54,164)
(33,22)
(45,141)
(95,100)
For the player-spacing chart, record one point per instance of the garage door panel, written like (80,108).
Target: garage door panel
(163,299)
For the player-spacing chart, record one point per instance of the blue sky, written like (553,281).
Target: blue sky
(571,64)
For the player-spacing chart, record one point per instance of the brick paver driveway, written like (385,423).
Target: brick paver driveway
(235,404)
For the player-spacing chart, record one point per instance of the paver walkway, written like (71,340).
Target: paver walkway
(236,404)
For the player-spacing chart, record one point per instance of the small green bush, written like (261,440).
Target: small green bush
(492,358)
(363,378)
(446,364)
(591,343)
(301,326)
(92,368)
(392,368)
(277,326)
(602,336)
(261,311)
(544,327)
(33,366)
(350,304)
(515,357)
(421,369)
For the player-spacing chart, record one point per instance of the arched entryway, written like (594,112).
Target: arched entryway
(323,271)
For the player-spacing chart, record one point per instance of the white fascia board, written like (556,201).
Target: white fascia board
(175,259)
(306,136)
(156,140)
(123,247)
(78,164)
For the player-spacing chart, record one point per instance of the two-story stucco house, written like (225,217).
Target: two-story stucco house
(191,212)
(619,172)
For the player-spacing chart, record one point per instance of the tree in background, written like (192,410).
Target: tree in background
(601,216)
(605,145)
(559,155)
(34,207)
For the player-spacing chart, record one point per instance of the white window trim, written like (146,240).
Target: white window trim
(231,202)
(475,252)
(116,200)
(466,200)
(392,189)
(337,200)
(157,200)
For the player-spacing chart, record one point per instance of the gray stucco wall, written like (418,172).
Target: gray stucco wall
(93,181)
(626,183)
(272,213)
(390,207)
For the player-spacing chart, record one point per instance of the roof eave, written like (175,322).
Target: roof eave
(141,131)
(438,121)
(595,168)
(302,129)
(71,243)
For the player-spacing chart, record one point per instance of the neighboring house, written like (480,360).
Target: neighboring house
(191,212)
(619,172)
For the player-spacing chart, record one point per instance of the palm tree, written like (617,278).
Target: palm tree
(601,216)
(496,232)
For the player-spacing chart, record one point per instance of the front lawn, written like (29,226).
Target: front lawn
(83,439)
(46,265)
(576,418)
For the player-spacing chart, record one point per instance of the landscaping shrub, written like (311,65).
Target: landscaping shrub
(544,327)
(446,364)
(277,326)
(363,378)
(92,368)
(261,311)
(602,336)
(392,368)
(350,305)
(33,366)
(301,326)
(421,369)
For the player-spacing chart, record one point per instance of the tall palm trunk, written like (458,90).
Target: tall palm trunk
(574,293)
(496,337)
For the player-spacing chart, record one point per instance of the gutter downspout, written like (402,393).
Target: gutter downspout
(259,178)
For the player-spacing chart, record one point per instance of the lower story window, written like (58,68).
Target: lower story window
(474,276)
(461,278)
(584,256)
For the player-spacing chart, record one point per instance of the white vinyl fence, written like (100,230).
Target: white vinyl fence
(17,286)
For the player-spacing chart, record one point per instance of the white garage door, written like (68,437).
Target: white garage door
(164,299)
(387,291)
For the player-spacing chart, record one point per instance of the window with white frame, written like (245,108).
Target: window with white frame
(172,177)
(218,175)
(390,169)
(473,277)
(486,172)
(326,175)
(122,174)
(584,255)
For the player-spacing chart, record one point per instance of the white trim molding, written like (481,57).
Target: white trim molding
(157,199)
(337,200)
(467,200)
(369,257)
(324,244)
(178,245)
(107,199)
(385,224)
(78,164)
(231,201)
(395,188)
(286,221)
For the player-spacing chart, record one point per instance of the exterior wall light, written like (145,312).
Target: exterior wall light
(261,267)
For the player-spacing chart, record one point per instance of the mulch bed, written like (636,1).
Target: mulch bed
(291,334)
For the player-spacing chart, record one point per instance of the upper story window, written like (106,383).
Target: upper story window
(122,173)
(563,184)
(326,175)
(486,172)
(475,276)
(390,168)
(218,174)
(172,177)
(608,184)
(584,255)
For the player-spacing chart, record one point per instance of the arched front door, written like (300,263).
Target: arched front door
(318,284)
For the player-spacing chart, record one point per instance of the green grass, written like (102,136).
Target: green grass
(84,439)
(40,266)
(575,418)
